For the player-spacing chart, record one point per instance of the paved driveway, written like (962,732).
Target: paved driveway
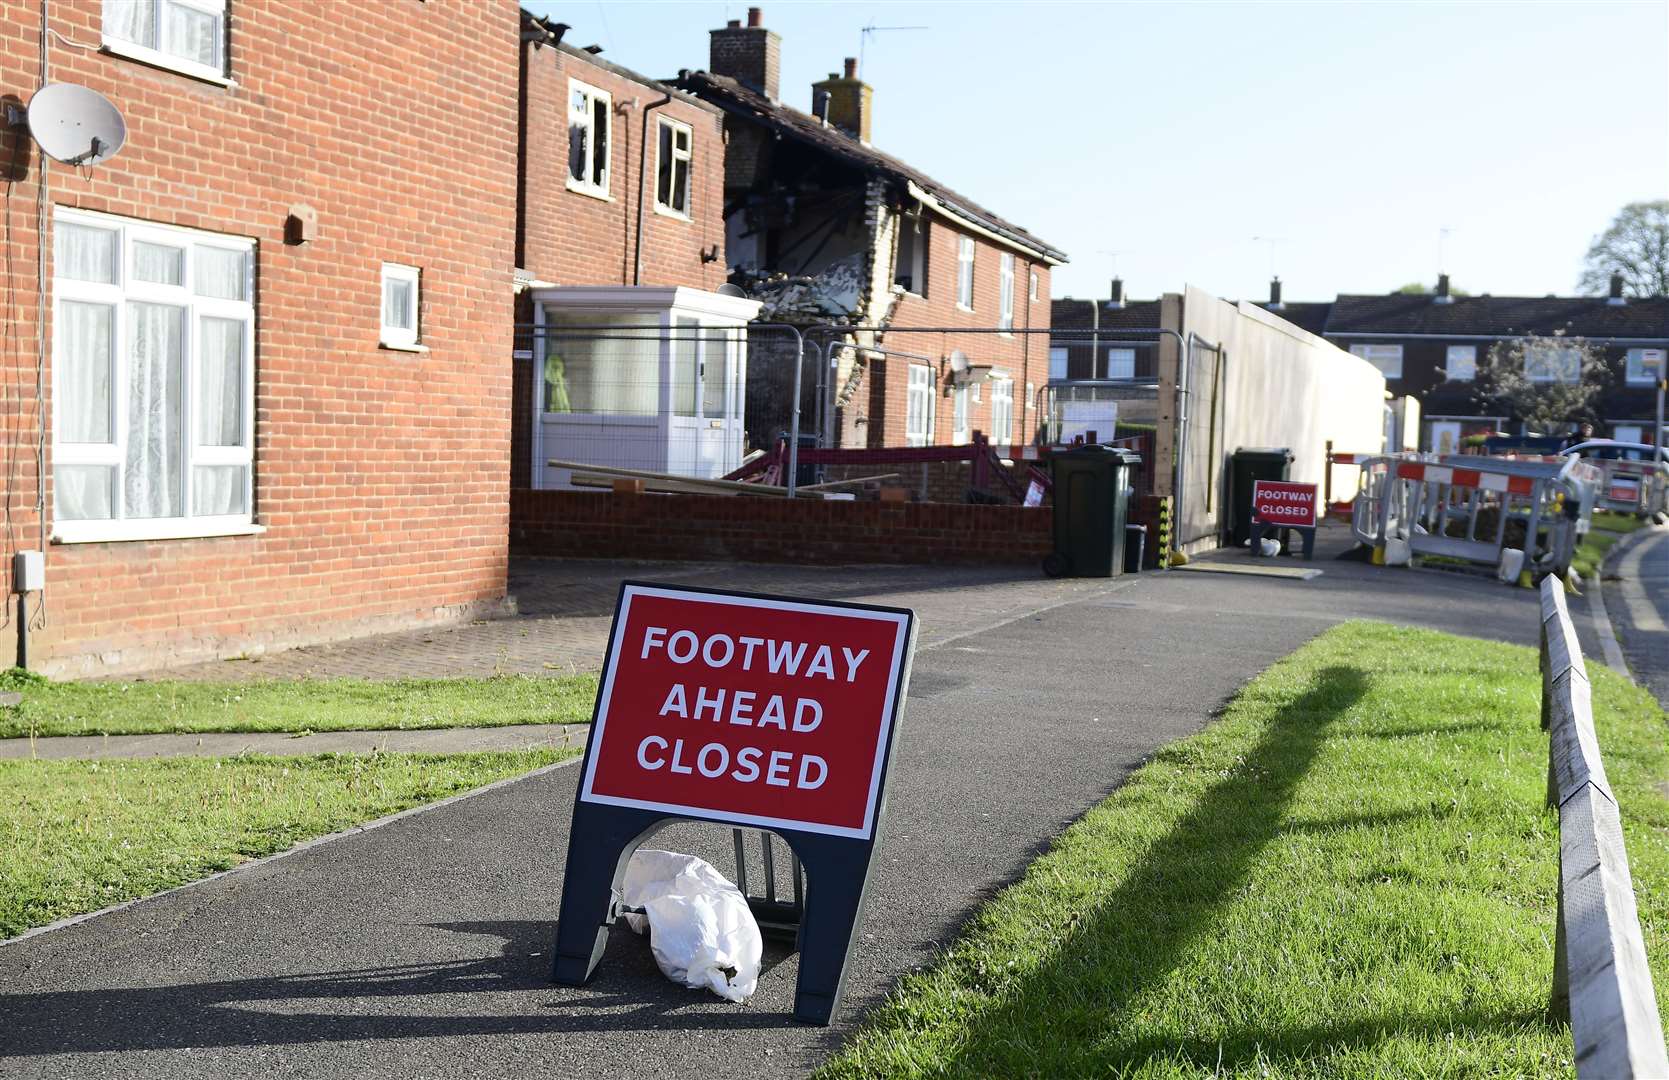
(422,948)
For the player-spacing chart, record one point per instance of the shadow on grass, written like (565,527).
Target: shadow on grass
(1071,1014)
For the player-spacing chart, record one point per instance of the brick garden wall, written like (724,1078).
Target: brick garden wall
(380,475)
(583,524)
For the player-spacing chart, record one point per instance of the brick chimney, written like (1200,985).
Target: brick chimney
(1275,295)
(751,54)
(1115,294)
(1442,296)
(1616,297)
(849,101)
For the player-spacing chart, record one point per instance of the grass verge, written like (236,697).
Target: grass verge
(82,835)
(1611,521)
(135,708)
(1351,873)
(1590,554)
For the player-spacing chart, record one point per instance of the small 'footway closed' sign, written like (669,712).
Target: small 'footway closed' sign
(1281,502)
(747,710)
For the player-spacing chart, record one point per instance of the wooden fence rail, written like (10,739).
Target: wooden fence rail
(1601,981)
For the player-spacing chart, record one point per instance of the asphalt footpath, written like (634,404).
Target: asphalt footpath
(1638,602)
(423,948)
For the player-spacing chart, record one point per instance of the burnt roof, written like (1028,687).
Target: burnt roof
(544,32)
(1507,316)
(742,100)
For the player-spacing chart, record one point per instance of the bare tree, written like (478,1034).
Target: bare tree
(1546,382)
(1635,246)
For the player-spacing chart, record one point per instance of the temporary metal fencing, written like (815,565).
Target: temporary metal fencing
(1475,509)
(665,393)
(1630,487)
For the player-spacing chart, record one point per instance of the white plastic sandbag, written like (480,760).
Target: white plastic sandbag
(1269,547)
(1512,562)
(699,925)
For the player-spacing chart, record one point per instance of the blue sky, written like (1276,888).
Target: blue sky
(1173,134)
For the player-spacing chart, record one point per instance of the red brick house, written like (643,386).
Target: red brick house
(826,228)
(268,404)
(628,354)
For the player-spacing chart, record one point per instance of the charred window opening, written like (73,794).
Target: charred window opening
(672,173)
(588,139)
(911,271)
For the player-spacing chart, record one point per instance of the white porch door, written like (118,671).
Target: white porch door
(705,425)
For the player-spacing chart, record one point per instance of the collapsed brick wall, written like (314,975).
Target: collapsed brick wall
(583,524)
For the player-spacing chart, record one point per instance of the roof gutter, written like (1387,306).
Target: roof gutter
(1045,255)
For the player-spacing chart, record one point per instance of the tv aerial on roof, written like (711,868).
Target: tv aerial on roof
(74,124)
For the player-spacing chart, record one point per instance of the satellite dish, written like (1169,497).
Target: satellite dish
(76,125)
(727,289)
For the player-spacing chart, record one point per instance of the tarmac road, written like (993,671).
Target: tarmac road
(1640,609)
(422,948)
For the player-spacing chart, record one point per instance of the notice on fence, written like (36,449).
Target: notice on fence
(757,711)
(1281,502)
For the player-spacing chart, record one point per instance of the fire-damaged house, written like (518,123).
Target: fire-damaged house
(824,228)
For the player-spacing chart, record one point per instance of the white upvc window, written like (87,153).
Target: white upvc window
(153,377)
(672,167)
(1460,363)
(1645,366)
(1033,292)
(1121,363)
(965,273)
(1057,362)
(1629,432)
(959,417)
(1552,361)
(1387,358)
(401,305)
(589,131)
(188,36)
(1005,292)
(919,410)
(1002,411)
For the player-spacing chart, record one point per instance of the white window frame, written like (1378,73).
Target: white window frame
(117,296)
(588,186)
(1005,292)
(1127,359)
(683,157)
(959,432)
(1060,360)
(1387,358)
(1033,292)
(1466,356)
(919,406)
(400,337)
(157,57)
(1632,431)
(965,273)
(1002,410)
(1536,348)
(1635,373)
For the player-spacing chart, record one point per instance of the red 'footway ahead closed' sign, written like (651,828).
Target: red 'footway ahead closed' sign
(1280,502)
(750,710)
